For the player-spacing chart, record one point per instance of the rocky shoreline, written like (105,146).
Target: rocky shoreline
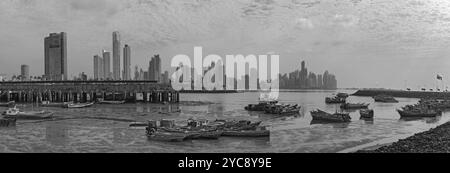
(435,140)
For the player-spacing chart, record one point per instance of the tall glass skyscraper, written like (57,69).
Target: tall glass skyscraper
(116,55)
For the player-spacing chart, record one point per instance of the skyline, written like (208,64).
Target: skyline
(354,34)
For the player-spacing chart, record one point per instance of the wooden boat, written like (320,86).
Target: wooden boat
(49,104)
(79,105)
(153,134)
(419,113)
(7,122)
(111,102)
(354,106)
(8,104)
(335,100)
(139,124)
(284,110)
(366,113)
(246,133)
(320,115)
(210,134)
(342,95)
(385,99)
(14,113)
(261,106)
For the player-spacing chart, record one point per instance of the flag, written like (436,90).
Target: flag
(439,77)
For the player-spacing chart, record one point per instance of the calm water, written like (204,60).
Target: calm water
(104,128)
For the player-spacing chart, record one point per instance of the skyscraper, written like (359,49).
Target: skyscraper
(25,72)
(116,55)
(126,63)
(55,46)
(98,68)
(154,69)
(107,65)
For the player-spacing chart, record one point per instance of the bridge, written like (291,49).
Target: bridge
(87,91)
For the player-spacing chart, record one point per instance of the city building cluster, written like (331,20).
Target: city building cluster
(301,79)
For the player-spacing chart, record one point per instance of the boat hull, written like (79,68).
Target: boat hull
(405,114)
(332,118)
(79,105)
(251,133)
(31,116)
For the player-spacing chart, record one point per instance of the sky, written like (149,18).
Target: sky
(365,43)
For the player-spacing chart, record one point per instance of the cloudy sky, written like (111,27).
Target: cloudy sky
(366,43)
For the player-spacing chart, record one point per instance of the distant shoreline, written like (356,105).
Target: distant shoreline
(401,93)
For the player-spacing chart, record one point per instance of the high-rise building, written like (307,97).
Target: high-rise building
(126,63)
(55,46)
(98,68)
(107,65)
(25,72)
(116,55)
(154,69)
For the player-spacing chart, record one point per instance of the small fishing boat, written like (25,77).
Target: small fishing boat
(385,99)
(284,110)
(58,105)
(335,100)
(323,116)
(419,113)
(366,113)
(14,113)
(210,134)
(261,132)
(139,124)
(111,102)
(342,95)
(355,106)
(8,104)
(261,106)
(156,135)
(79,105)
(7,122)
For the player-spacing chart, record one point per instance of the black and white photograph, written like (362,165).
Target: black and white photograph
(225,76)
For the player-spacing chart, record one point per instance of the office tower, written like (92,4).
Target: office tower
(25,72)
(154,69)
(98,68)
(116,55)
(55,46)
(106,65)
(126,63)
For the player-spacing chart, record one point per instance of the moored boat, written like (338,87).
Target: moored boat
(342,95)
(49,104)
(354,106)
(260,106)
(8,104)
(366,113)
(111,102)
(14,113)
(79,105)
(260,132)
(419,113)
(284,110)
(335,100)
(323,116)
(385,99)
(156,135)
